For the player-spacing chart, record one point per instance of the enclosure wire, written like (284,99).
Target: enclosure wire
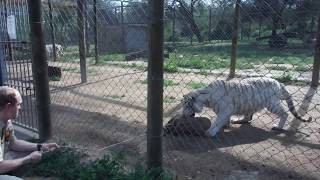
(103,148)
(88,83)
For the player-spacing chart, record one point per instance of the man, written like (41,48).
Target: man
(11,147)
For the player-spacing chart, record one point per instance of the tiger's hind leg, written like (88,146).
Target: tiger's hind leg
(246,119)
(222,119)
(277,109)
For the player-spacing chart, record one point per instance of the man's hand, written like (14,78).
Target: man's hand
(48,147)
(34,157)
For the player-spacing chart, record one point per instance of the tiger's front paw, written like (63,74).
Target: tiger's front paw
(276,127)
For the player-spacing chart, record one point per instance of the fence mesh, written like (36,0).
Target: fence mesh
(15,57)
(106,113)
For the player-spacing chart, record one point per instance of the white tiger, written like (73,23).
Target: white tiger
(59,50)
(227,98)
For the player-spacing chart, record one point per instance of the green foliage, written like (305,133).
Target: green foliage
(105,168)
(169,99)
(195,85)
(117,97)
(143,81)
(72,69)
(302,68)
(216,56)
(134,65)
(112,57)
(66,164)
(278,68)
(167,83)
(54,78)
(287,78)
(204,72)
(63,163)
(170,68)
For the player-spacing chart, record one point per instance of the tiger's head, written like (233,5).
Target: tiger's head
(191,105)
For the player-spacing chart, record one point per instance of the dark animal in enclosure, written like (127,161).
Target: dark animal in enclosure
(54,71)
(191,126)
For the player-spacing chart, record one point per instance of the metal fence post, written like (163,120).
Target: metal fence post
(316,63)
(52,31)
(234,40)
(123,38)
(82,39)
(210,21)
(2,59)
(155,85)
(40,69)
(95,27)
(174,26)
(191,11)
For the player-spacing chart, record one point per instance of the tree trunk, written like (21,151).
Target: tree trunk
(188,17)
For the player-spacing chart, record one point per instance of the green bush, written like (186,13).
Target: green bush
(195,85)
(66,164)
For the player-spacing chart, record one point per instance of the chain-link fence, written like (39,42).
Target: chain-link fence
(15,59)
(99,88)
(276,40)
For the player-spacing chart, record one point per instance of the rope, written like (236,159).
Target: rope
(103,148)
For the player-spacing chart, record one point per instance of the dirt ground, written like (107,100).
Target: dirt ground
(109,112)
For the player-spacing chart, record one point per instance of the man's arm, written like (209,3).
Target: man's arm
(22,146)
(10,165)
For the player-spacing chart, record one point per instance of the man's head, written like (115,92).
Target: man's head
(10,103)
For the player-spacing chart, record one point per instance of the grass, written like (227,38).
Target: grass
(112,57)
(217,56)
(166,82)
(117,97)
(90,70)
(302,68)
(169,99)
(195,85)
(54,78)
(288,79)
(204,72)
(67,164)
(133,65)
(277,68)
(72,69)
(170,68)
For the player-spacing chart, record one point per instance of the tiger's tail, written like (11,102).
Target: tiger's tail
(291,107)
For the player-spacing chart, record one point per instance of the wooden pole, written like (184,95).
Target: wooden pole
(316,62)
(123,48)
(191,11)
(40,69)
(155,85)
(52,32)
(82,39)
(95,31)
(174,26)
(234,39)
(210,21)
